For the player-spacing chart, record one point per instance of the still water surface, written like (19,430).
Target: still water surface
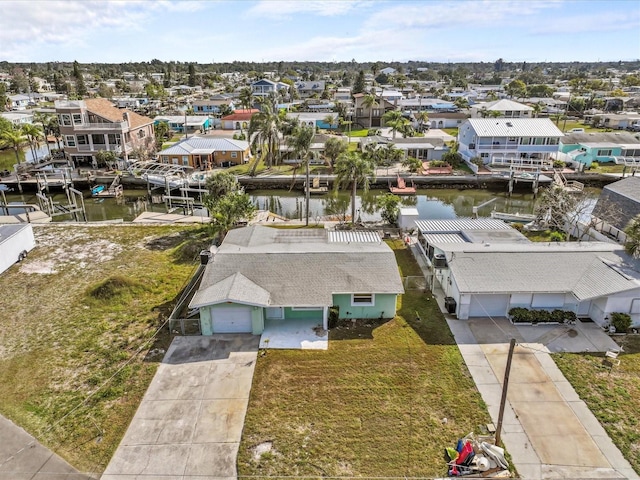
(431,204)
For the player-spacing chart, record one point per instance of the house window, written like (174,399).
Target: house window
(83,140)
(97,139)
(362,299)
(174,160)
(538,141)
(553,141)
(165,159)
(65,119)
(234,154)
(525,141)
(114,138)
(77,119)
(141,134)
(185,161)
(604,153)
(70,140)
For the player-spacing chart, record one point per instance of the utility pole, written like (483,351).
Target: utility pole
(505,386)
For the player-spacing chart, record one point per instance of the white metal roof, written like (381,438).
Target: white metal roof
(513,127)
(441,238)
(460,224)
(339,236)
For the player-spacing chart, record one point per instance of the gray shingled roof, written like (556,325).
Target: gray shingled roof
(616,138)
(586,274)
(297,267)
(234,288)
(619,202)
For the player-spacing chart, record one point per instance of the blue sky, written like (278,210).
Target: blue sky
(334,30)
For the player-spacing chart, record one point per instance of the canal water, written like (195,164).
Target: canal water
(431,204)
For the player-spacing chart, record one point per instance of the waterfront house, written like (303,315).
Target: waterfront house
(485,269)
(95,124)
(203,153)
(261,275)
(618,204)
(362,112)
(521,142)
(238,120)
(602,147)
(194,123)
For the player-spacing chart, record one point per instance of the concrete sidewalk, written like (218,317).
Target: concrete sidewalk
(23,458)
(190,421)
(548,431)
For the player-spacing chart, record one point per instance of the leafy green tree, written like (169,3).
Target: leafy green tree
(452,158)
(389,205)
(81,88)
(106,157)
(517,89)
(632,245)
(333,148)
(537,109)
(423,119)
(414,165)
(34,134)
(5,124)
(540,90)
(331,120)
(358,85)
(227,203)
(368,102)
(264,134)
(300,142)
(192,75)
(246,98)
(161,131)
(353,170)
(155,91)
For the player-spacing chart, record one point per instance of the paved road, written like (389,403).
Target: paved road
(189,423)
(23,458)
(547,429)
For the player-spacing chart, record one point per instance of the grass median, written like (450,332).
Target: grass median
(79,331)
(383,400)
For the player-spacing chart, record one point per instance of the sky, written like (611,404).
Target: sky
(319,30)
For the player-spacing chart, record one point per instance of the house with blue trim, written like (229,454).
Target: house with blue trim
(261,275)
(194,123)
(264,87)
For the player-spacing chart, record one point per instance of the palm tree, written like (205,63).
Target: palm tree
(632,245)
(422,117)
(13,139)
(44,118)
(395,120)
(300,142)
(246,98)
(331,120)
(33,134)
(537,108)
(369,101)
(352,169)
(264,134)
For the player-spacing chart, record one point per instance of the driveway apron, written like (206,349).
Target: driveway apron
(189,423)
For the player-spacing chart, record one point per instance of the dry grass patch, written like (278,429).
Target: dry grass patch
(79,316)
(373,404)
(611,396)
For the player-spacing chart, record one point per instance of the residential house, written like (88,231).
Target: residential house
(204,153)
(213,105)
(264,88)
(310,89)
(422,148)
(194,123)
(17,118)
(238,120)
(316,149)
(485,270)
(388,71)
(445,119)
(95,124)
(261,275)
(19,102)
(428,104)
(618,204)
(362,112)
(616,121)
(342,95)
(522,142)
(505,108)
(602,147)
(312,119)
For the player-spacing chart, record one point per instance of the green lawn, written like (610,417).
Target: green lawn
(451,131)
(371,405)
(357,132)
(612,397)
(78,317)
(8,159)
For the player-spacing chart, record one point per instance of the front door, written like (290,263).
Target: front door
(275,313)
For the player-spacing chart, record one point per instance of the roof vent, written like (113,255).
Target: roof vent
(509,124)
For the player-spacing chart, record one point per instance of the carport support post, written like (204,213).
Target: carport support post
(505,386)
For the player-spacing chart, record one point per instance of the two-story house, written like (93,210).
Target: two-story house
(521,142)
(363,113)
(213,105)
(310,89)
(95,124)
(264,87)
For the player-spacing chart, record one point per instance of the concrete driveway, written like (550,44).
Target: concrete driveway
(547,429)
(189,424)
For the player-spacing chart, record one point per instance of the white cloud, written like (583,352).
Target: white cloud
(286,9)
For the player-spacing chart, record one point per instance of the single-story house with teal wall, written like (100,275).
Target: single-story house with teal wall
(603,147)
(261,274)
(176,123)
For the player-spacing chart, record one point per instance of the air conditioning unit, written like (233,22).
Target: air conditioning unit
(439,261)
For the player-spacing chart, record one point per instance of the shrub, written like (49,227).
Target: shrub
(519,315)
(477,161)
(570,317)
(438,163)
(556,237)
(621,321)
(558,316)
(333,317)
(558,164)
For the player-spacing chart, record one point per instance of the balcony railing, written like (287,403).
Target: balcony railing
(102,126)
(97,147)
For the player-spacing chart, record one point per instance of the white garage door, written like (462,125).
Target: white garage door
(232,320)
(488,305)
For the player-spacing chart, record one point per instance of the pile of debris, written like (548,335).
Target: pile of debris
(476,457)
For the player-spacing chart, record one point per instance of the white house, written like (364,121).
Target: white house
(17,118)
(487,272)
(19,102)
(524,142)
(506,108)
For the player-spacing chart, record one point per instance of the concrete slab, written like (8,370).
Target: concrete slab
(22,457)
(190,420)
(297,335)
